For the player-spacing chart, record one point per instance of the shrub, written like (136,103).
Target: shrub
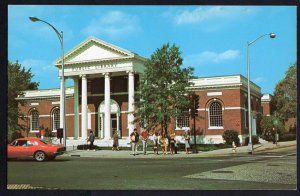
(231,135)
(287,137)
(255,140)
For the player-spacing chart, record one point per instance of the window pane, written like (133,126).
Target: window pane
(183,121)
(34,120)
(215,115)
(56,119)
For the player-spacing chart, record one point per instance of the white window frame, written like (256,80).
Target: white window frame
(186,122)
(209,123)
(54,113)
(31,121)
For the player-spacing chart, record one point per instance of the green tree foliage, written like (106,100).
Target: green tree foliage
(163,88)
(285,95)
(267,123)
(19,80)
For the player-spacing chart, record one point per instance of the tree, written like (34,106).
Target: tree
(19,80)
(163,88)
(267,123)
(285,95)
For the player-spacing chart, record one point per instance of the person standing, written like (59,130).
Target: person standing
(134,137)
(91,139)
(145,137)
(187,141)
(155,142)
(115,141)
(163,144)
(172,143)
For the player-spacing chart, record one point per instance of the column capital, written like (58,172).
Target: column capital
(82,75)
(60,78)
(106,74)
(130,72)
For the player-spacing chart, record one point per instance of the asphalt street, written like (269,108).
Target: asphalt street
(267,170)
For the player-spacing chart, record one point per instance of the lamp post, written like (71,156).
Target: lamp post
(250,145)
(62,98)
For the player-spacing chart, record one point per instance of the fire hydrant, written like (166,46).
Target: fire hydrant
(233,147)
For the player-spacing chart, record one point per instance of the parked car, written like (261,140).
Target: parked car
(34,147)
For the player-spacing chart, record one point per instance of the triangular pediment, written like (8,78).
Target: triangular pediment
(94,49)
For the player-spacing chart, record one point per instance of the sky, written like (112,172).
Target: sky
(212,39)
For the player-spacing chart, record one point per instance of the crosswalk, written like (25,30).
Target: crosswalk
(21,186)
(26,186)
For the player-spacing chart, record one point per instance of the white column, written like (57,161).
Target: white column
(102,127)
(61,111)
(130,102)
(83,107)
(107,106)
(76,106)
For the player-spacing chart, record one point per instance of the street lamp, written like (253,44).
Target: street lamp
(250,145)
(62,98)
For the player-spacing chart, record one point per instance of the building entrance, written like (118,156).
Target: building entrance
(114,119)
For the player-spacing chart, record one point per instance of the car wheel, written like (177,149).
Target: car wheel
(40,156)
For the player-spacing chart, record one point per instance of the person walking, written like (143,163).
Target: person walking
(115,141)
(134,137)
(91,139)
(187,141)
(155,142)
(145,137)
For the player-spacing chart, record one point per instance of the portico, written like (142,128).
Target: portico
(100,71)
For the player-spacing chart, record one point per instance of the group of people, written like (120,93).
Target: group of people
(164,141)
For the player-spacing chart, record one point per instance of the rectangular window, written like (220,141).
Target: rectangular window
(183,121)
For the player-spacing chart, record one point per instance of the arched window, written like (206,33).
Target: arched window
(56,119)
(215,115)
(34,124)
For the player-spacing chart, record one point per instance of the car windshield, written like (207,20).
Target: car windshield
(45,142)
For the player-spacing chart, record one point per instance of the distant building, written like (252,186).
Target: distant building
(102,99)
(266,104)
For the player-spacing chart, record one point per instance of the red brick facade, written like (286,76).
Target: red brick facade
(232,99)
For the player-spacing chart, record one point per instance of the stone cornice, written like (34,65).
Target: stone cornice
(45,93)
(232,81)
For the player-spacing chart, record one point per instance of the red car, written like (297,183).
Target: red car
(34,147)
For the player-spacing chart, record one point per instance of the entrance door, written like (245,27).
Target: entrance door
(113,123)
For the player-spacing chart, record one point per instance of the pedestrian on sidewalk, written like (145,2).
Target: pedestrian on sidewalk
(172,143)
(163,144)
(145,137)
(155,142)
(91,140)
(115,141)
(276,136)
(134,137)
(187,138)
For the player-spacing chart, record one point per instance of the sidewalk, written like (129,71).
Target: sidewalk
(128,154)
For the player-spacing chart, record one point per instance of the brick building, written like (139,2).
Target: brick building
(102,99)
